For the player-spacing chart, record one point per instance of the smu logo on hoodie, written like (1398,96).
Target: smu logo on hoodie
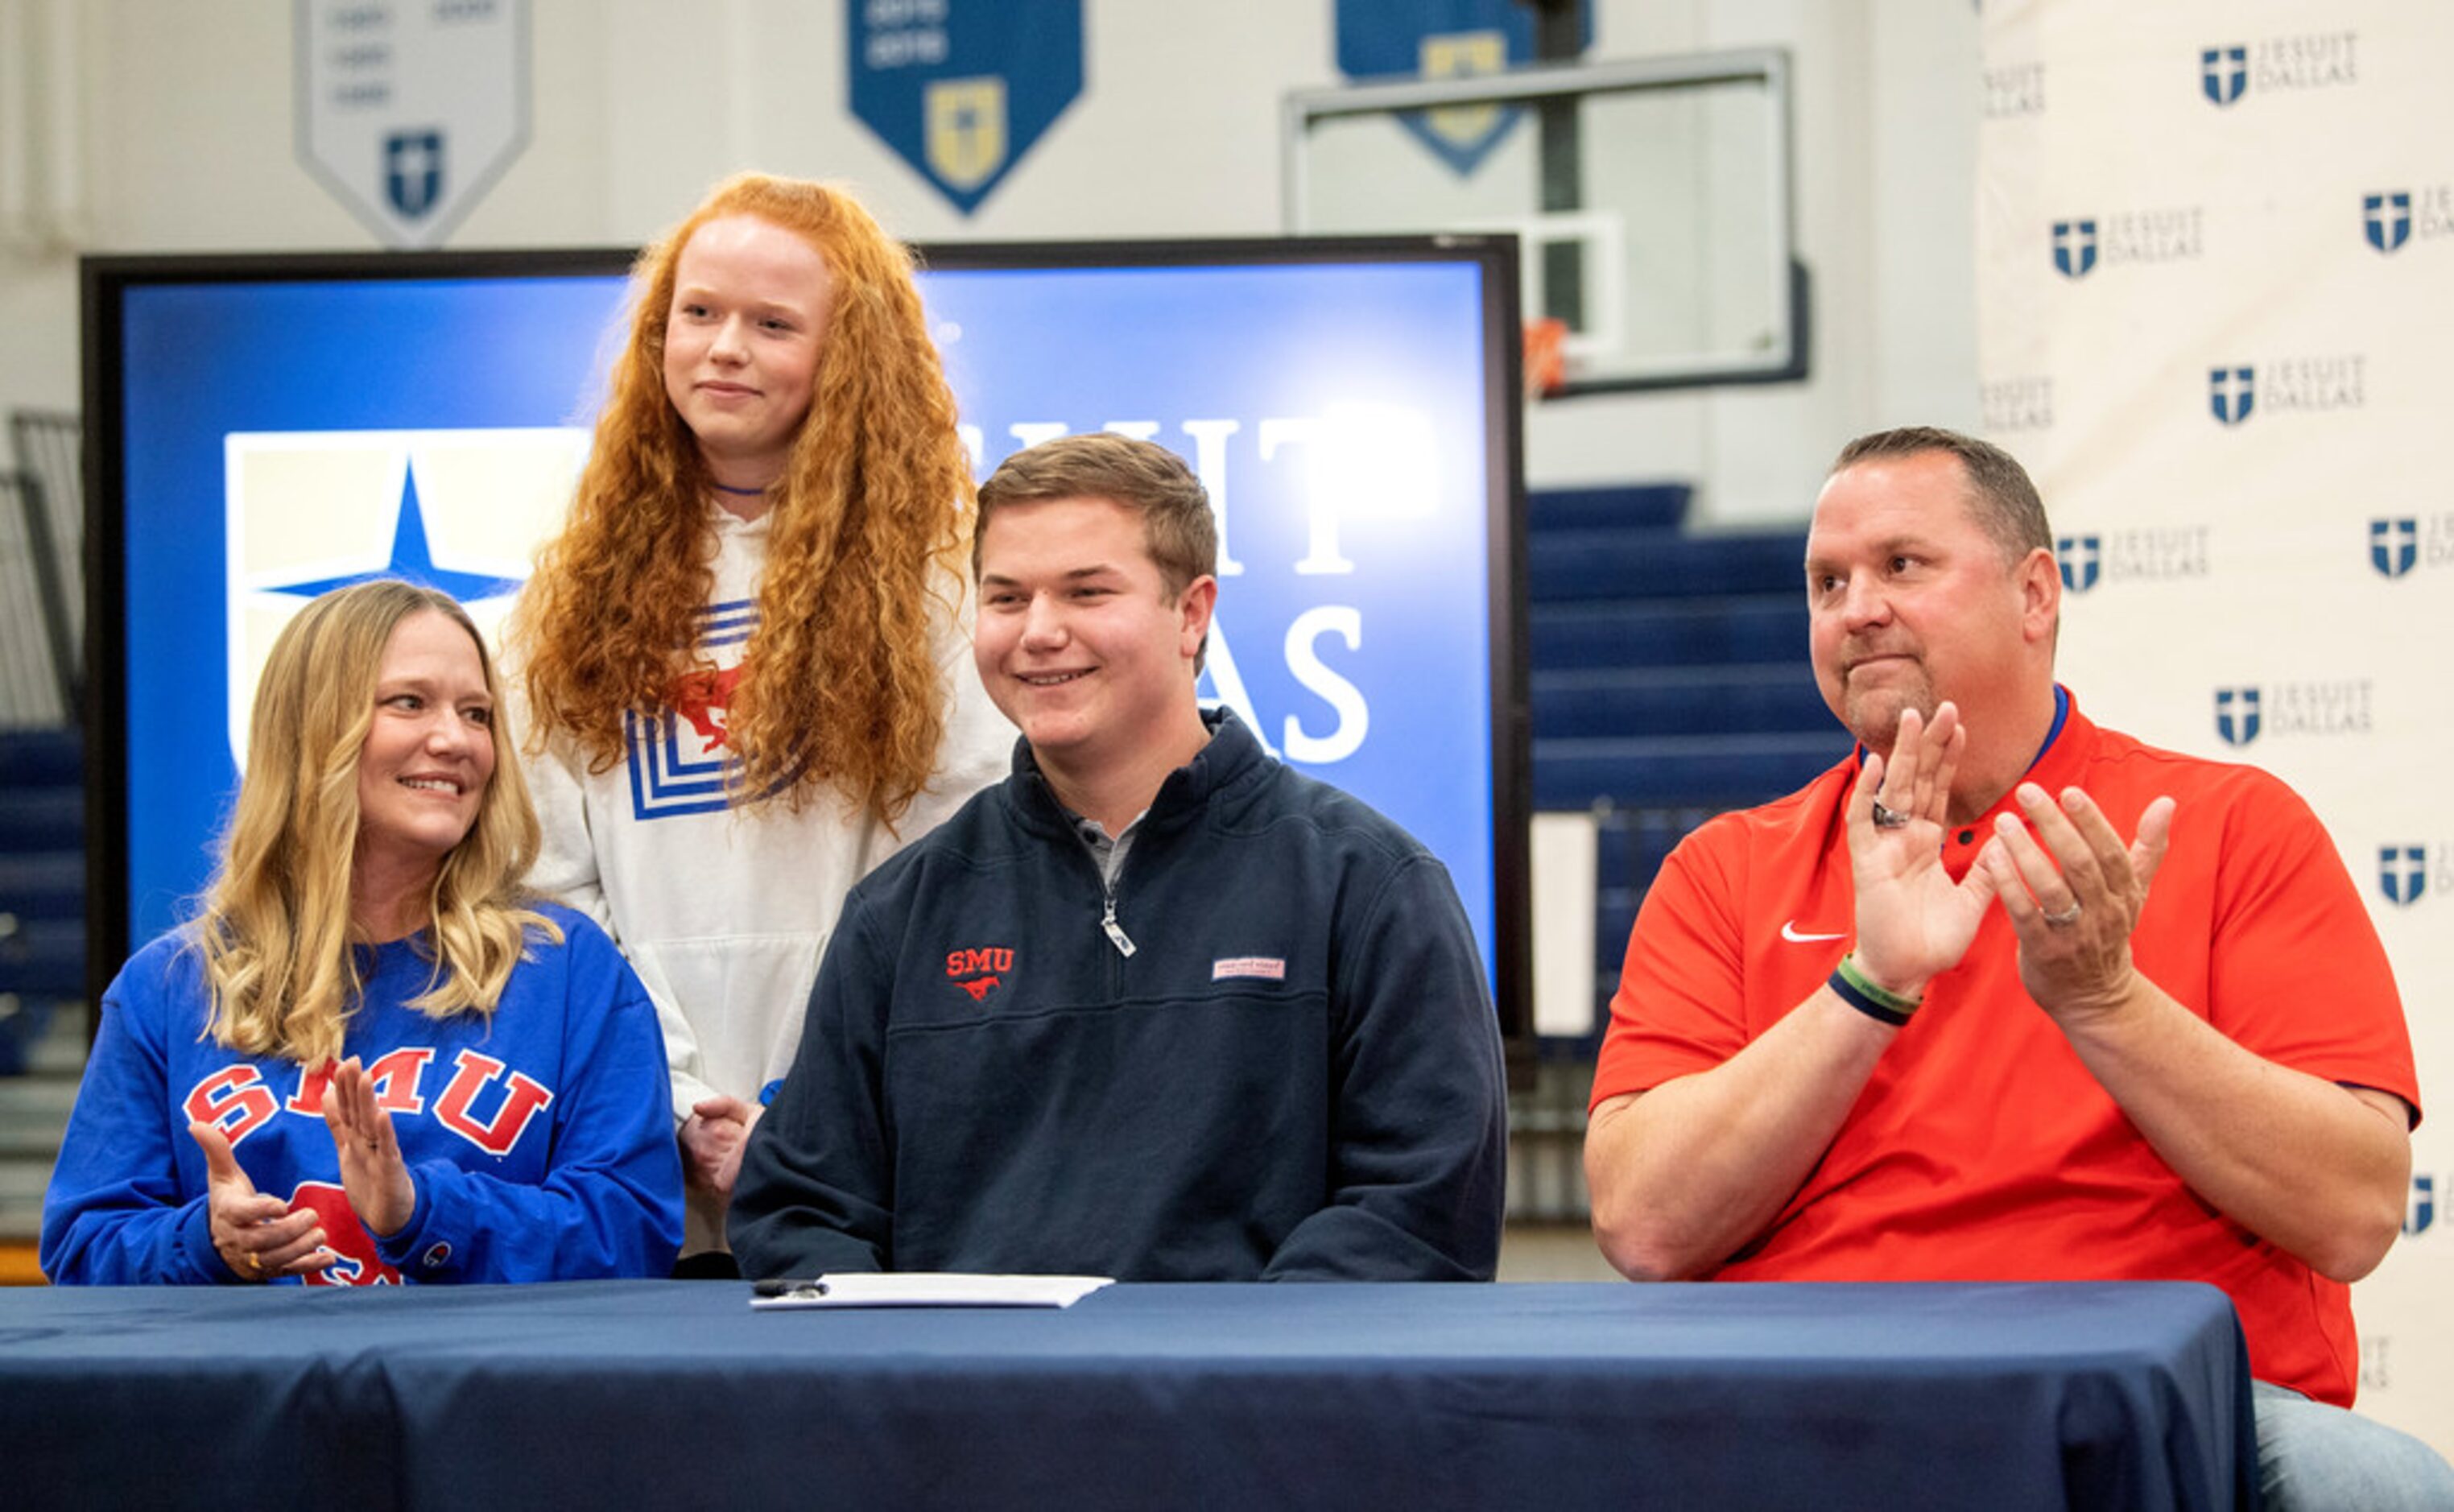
(679,757)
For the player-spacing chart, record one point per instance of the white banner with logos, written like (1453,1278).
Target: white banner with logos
(2216,300)
(409,110)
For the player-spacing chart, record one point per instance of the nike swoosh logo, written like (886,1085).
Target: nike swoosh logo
(1789,932)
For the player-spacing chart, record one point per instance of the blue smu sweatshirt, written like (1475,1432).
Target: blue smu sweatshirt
(541,1141)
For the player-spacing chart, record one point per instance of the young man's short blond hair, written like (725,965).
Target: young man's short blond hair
(1177,527)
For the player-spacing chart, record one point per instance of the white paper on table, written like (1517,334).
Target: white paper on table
(934,1289)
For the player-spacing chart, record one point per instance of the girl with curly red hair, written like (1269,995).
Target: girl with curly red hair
(746,656)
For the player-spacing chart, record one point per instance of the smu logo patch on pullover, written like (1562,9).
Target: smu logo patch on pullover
(980,970)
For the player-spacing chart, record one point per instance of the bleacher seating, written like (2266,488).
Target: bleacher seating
(42,882)
(1669,682)
(1669,678)
(1669,669)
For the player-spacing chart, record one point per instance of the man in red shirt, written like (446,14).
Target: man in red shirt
(2006,996)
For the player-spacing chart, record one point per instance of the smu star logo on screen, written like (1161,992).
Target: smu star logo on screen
(307,512)
(2074,248)
(2394,546)
(412,560)
(2385,219)
(2223,72)
(2082,559)
(2402,873)
(2237,715)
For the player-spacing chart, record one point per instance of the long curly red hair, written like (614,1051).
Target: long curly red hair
(840,688)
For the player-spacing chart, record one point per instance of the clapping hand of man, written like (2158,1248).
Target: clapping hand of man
(2074,892)
(1914,922)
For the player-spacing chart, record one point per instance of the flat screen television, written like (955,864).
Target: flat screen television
(261,428)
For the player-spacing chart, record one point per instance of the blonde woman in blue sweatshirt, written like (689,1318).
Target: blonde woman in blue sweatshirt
(371,1059)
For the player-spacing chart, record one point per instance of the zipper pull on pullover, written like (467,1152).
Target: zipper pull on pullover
(1116,934)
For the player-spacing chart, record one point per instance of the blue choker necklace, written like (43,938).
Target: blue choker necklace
(739,492)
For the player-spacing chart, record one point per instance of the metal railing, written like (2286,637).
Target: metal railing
(42,572)
(37,687)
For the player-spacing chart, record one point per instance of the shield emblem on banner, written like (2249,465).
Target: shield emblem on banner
(2394,546)
(2082,559)
(1457,56)
(2387,219)
(1451,40)
(965,130)
(2237,715)
(2402,873)
(2423,1205)
(2223,72)
(2074,247)
(2231,392)
(414,171)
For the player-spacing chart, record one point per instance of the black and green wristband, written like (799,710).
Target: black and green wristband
(1851,986)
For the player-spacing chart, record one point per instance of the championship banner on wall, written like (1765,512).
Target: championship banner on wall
(961,89)
(409,113)
(1446,39)
(2215,255)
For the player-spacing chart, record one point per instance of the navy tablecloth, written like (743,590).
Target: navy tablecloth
(666,1392)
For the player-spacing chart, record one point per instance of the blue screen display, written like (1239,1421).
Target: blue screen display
(277,435)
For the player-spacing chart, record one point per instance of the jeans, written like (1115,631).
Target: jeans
(2313,1456)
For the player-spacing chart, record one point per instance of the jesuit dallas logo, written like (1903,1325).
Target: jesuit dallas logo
(2293,709)
(2393,217)
(2411,871)
(2133,555)
(2016,90)
(2127,238)
(306,511)
(2017,404)
(2400,545)
(2298,385)
(2422,1216)
(2316,60)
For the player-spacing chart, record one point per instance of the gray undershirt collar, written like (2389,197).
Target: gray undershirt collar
(1107,851)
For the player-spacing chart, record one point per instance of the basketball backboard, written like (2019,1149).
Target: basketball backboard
(1652,198)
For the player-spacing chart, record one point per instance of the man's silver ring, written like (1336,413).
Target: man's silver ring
(1887,818)
(2067,917)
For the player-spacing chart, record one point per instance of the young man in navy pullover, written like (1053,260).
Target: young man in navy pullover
(1155,1007)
